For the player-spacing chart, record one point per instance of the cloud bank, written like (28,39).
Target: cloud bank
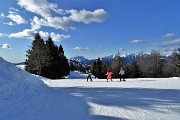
(47,14)
(29,34)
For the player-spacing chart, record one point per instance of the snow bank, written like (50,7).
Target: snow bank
(14,81)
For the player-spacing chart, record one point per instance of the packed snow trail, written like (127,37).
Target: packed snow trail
(135,99)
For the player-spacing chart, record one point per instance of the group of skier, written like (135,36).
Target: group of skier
(109,75)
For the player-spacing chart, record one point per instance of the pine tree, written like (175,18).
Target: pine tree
(99,68)
(52,57)
(47,59)
(36,56)
(94,68)
(135,70)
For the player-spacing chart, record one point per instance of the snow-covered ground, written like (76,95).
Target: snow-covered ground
(25,97)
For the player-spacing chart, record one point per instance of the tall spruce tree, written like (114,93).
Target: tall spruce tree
(99,68)
(51,69)
(94,69)
(36,56)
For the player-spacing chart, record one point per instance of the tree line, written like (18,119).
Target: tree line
(46,59)
(143,65)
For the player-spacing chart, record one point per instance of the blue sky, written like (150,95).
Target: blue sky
(91,28)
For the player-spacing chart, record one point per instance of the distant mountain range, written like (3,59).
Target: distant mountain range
(127,58)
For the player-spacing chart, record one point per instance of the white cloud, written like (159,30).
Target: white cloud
(45,8)
(80,49)
(54,22)
(36,23)
(58,37)
(87,17)
(169,35)
(2,15)
(169,43)
(54,36)
(2,35)
(27,33)
(136,41)
(59,22)
(60,11)
(6,46)
(16,18)
(65,22)
(9,23)
(40,7)
(44,34)
(14,9)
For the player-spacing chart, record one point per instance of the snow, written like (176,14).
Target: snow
(27,97)
(77,75)
(21,66)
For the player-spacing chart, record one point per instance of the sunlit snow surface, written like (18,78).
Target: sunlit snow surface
(24,97)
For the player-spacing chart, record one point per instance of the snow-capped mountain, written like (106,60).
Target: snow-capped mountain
(79,58)
(108,58)
(82,60)
(127,58)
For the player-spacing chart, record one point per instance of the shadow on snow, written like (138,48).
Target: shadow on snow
(68,103)
(122,97)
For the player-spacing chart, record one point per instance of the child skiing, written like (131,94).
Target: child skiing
(89,75)
(121,74)
(109,75)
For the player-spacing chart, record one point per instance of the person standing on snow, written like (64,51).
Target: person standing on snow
(89,75)
(121,74)
(109,75)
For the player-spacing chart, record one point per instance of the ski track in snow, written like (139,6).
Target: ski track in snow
(135,99)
